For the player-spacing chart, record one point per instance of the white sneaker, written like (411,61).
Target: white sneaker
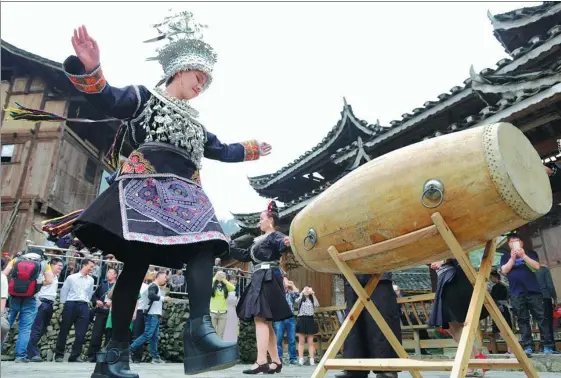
(312,362)
(301,361)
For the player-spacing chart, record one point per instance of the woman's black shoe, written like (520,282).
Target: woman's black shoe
(114,362)
(277,369)
(204,350)
(259,369)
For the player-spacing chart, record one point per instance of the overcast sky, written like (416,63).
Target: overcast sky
(283,68)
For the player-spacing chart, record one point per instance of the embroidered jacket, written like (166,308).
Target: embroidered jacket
(154,122)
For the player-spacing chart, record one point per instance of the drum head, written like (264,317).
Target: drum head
(517,171)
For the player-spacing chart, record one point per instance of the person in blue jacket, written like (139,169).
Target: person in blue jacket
(155,210)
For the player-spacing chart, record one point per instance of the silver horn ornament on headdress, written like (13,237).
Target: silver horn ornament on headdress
(185,49)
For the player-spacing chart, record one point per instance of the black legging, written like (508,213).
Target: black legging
(199,274)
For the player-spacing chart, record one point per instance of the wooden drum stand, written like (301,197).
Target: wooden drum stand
(480,297)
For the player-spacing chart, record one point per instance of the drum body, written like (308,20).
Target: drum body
(493,181)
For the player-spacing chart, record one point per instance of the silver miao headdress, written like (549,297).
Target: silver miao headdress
(185,49)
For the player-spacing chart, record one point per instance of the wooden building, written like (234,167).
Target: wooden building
(523,89)
(48,168)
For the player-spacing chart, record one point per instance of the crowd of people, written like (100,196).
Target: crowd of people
(86,300)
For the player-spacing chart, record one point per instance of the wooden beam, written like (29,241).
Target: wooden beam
(388,245)
(416,298)
(540,121)
(399,364)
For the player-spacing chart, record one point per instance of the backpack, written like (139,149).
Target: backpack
(23,277)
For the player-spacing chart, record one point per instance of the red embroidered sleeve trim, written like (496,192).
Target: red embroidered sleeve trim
(251,150)
(90,83)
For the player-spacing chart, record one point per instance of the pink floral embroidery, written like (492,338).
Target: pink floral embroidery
(137,163)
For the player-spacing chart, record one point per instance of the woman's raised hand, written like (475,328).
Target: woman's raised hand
(264,148)
(86,48)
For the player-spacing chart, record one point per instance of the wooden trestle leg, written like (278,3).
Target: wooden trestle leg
(345,328)
(480,297)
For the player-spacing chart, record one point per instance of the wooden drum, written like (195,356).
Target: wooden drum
(484,181)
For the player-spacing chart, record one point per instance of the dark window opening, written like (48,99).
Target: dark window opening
(91,171)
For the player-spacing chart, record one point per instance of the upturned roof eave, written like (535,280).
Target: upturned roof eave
(348,119)
(516,21)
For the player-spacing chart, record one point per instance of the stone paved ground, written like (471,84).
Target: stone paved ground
(66,370)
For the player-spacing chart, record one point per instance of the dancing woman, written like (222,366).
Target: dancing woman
(451,304)
(155,211)
(264,300)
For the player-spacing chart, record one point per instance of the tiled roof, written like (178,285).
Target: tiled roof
(513,29)
(251,220)
(524,13)
(537,41)
(413,279)
(247,220)
(521,94)
(527,85)
(348,119)
(25,54)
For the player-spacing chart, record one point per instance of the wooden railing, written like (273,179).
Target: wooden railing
(415,312)
(328,321)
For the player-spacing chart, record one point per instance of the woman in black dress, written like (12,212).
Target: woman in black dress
(264,300)
(451,304)
(306,327)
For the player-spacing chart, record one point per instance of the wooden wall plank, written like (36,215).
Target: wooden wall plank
(70,191)
(16,241)
(37,84)
(12,172)
(322,283)
(20,83)
(56,107)
(35,183)
(32,100)
(4,89)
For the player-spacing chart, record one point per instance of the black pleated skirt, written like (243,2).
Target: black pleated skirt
(306,325)
(264,298)
(452,298)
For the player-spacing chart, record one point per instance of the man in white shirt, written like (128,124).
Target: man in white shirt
(76,294)
(45,299)
(138,324)
(152,313)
